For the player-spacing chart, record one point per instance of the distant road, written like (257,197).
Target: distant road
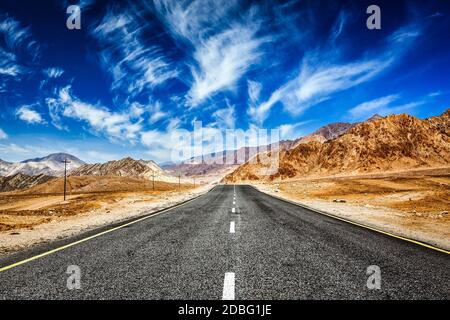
(257,248)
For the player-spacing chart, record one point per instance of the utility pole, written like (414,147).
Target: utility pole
(65,176)
(194,182)
(179,180)
(153,176)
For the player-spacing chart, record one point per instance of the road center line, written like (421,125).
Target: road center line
(233,210)
(228,286)
(232,227)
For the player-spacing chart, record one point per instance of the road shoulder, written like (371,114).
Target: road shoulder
(22,239)
(381,219)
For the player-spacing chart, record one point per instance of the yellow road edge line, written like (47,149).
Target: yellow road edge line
(429,246)
(96,235)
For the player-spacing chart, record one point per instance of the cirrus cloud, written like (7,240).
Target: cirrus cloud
(29,115)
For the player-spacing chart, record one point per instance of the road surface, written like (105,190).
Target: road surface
(264,248)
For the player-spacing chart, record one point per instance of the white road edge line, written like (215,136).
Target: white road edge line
(232,227)
(423,244)
(71,244)
(228,286)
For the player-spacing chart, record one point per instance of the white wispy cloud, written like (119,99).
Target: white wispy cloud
(3,135)
(258,113)
(436,94)
(383,106)
(156,113)
(11,71)
(114,125)
(224,40)
(54,72)
(134,64)
(151,111)
(222,60)
(254,91)
(292,131)
(339,26)
(319,78)
(29,115)
(18,51)
(366,109)
(193,20)
(225,117)
(313,86)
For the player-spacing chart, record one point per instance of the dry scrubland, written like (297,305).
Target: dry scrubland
(389,172)
(39,214)
(44,203)
(414,203)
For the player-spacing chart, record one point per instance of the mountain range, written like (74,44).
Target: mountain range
(127,167)
(51,165)
(214,164)
(395,142)
(378,144)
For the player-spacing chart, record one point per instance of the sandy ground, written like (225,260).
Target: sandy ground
(411,204)
(27,220)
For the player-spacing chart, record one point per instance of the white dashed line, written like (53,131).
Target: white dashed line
(228,286)
(232,228)
(233,210)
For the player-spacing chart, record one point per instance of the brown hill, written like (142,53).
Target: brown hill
(395,142)
(126,167)
(22,181)
(97,184)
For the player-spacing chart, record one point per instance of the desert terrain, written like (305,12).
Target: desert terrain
(412,203)
(392,173)
(39,214)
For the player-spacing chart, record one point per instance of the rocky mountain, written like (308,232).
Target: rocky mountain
(126,167)
(22,181)
(395,142)
(330,131)
(51,165)
(374,117)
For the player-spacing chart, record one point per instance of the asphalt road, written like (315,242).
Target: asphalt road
(275,250)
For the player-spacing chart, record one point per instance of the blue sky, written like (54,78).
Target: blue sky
(138,71)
